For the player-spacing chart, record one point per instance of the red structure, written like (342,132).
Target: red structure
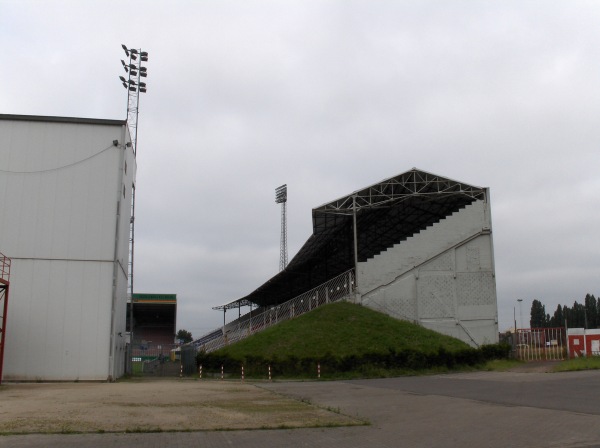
(4,287)
(583,342)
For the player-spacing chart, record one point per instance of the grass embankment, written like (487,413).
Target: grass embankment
(346,341)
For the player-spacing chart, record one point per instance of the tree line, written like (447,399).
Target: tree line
(580,315)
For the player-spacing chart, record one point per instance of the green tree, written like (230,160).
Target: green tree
(576,316)
(558,319)
(591,311)
(538,315)
(184,336)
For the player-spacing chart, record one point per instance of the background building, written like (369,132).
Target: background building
(66,191)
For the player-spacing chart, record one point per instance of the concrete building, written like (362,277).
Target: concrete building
(65,209)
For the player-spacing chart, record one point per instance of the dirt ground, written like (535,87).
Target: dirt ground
(159,405)
(536,367)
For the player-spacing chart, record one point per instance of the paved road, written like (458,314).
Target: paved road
(488,409)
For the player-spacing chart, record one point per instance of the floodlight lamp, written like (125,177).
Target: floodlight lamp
(123,62)
(125,85)
(132,89)
(133,73)
(143,69)
(143,89)
(133,56)
(142,84)
(125,49)
(144,53)
(144,58)
(281,194)
(131,81)
(122,79)
(143,74)
(133,51)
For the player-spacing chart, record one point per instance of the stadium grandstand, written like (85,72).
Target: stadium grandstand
(417,246)
(154,320)
(154,349)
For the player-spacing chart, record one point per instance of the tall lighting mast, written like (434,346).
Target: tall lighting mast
(134,85)
(281,198)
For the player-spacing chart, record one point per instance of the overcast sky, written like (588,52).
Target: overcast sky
(329,97)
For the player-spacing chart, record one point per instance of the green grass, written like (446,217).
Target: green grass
(341,329)
(502,365)
(571,365)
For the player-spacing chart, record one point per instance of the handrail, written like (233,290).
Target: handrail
(339,288)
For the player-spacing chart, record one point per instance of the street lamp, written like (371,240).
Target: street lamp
(520,313)
(520,318)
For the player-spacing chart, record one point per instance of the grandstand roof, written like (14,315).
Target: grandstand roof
(154,298)
(387,213)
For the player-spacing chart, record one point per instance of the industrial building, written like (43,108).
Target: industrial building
(416,246)
(65,213)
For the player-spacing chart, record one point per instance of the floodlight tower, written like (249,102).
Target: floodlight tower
(4,286)
(281,198)
(134,85)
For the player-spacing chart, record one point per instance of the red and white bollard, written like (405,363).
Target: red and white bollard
(221,372)
(242,374)
(319,370)
(181,371)
(200,371)
(269,373)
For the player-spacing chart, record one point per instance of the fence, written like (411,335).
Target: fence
(339,288)
(162,360)
(541,344)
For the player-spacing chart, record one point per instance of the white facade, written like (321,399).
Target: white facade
(442,277)
(65,208)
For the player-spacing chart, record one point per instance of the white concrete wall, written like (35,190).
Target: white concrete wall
(58,320)
(442,278)
(60,187)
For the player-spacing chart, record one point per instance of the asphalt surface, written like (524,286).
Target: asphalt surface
(491,409)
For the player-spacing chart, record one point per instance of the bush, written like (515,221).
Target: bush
(393,361)
(496,351)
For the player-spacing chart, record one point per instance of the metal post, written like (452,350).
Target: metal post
(355,238)
(3,292)
(250,321)
(520,315)
(515,338)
